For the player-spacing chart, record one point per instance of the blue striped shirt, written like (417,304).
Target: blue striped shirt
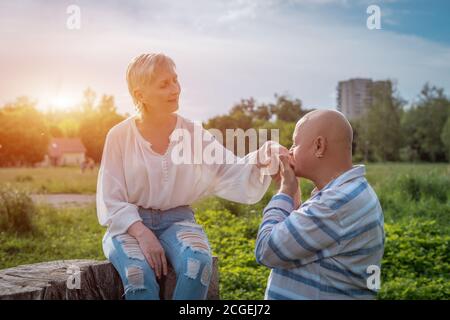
(323,249)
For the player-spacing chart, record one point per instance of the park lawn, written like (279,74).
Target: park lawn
(416,264)
(71,180)
(51,180)
(63,233)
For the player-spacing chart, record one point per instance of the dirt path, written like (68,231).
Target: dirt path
(65,199)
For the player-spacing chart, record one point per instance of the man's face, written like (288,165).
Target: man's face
(300,152)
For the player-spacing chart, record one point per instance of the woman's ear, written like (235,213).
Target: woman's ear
(138,94)
(320,145)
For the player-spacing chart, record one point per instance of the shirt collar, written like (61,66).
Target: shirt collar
(172,136)
(355,172)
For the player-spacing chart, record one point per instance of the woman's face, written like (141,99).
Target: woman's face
(162,93)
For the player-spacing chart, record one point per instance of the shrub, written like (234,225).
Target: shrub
(16,210)
(416,262)
(232,239)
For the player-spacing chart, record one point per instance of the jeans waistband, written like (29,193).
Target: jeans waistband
(153,210)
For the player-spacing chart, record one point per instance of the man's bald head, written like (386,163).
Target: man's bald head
(330,124)
(322,138)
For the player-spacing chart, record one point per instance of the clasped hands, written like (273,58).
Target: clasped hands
(276,160)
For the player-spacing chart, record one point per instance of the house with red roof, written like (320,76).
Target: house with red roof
(64,152)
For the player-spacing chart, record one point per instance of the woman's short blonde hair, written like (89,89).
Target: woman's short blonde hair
(141,71)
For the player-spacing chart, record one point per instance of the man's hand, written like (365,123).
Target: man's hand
(289,183)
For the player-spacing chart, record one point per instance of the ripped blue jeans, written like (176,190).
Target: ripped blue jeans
(186,247)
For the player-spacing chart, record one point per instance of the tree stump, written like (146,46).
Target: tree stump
(79,280)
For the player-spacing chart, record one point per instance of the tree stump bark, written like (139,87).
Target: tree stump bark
(79,280)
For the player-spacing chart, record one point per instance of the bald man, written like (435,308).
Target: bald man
(329,247)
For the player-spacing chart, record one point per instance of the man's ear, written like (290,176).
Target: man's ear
(320,146)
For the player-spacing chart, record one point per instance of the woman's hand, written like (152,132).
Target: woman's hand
(151,247)
(267,158)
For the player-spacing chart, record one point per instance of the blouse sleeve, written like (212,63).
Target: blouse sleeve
(238,179)
(113,208)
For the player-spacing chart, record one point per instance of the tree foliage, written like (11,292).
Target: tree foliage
(390,132)
(95,125)
(379,135)
(24,136)
(423,125)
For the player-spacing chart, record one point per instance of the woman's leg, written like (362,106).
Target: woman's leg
(137,276)
(188,250)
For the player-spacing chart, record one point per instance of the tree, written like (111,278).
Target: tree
(424,122)
(96,123)
(70,125)
(263,113)
(286,109)
(88,103)
(55,131)
(445,137)
(378,133)
(24,136)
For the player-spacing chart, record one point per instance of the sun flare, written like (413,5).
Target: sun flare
(62,101)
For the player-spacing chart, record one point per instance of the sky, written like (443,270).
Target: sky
(225,50)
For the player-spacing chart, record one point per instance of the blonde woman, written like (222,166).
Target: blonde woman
(144,196)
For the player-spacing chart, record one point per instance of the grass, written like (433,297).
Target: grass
(415,201)
(69,233)
(381,174)
(51,180)
(71,180)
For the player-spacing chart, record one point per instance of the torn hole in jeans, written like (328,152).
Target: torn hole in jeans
(135,277)
(206,275)
(194,239)
(131,246)
(193,267)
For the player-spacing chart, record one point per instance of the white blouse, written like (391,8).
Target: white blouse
(131,174)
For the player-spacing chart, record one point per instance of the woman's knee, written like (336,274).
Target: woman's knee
(137,275)
(140,281)
(196,266)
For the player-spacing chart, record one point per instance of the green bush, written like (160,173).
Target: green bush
(416,249)
(422,288)
(232,239)
(416,262)
(16,210)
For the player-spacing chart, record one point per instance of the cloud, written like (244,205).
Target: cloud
(224,50)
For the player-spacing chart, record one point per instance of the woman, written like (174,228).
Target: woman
(144,197)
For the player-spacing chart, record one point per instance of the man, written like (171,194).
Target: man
(327,247)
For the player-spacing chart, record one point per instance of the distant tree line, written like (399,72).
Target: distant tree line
(389,131)
(25,132)
(281,114)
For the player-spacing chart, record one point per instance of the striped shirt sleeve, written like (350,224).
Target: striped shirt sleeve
(289,239)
